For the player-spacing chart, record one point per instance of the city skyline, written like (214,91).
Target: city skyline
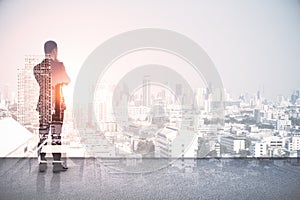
(252,46)
(249,126)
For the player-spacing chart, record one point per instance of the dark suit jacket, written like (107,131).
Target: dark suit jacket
(42,73)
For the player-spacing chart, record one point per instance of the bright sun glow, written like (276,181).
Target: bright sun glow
(68,94)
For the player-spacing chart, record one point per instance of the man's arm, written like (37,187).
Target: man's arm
(36,73)
(59,74)
(67,79)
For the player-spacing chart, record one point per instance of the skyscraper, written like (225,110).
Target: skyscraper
(178,89)
(28,92)
(146,91)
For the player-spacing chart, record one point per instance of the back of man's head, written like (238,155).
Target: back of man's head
(49,46)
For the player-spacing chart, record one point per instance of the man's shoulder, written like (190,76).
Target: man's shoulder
(41,64)
(57,67)
(58,63)
(36,67)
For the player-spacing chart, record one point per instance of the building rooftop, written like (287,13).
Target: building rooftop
(97,179)
(13,136)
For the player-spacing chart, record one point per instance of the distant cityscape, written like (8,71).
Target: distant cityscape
(156,122)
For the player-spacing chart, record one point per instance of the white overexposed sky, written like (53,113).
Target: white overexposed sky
(255,45)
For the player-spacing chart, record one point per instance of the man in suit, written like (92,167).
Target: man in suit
(51,76)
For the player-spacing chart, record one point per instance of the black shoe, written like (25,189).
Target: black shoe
(58,167)
(42,167)
(43,162)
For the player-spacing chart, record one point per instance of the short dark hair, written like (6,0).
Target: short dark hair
(49,46)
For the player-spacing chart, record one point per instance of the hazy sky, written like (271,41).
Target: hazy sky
(254,44)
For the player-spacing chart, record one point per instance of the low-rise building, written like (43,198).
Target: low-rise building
(233,144)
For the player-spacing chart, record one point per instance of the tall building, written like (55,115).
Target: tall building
(104,110)
(6,93)
(90,122)
(178,90)
(28,93)
(257,116)
(294,145)
(295,96)
(260,149)
(297,93)
(200,97)
(146,91)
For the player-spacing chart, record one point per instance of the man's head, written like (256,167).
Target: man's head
(50,48)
